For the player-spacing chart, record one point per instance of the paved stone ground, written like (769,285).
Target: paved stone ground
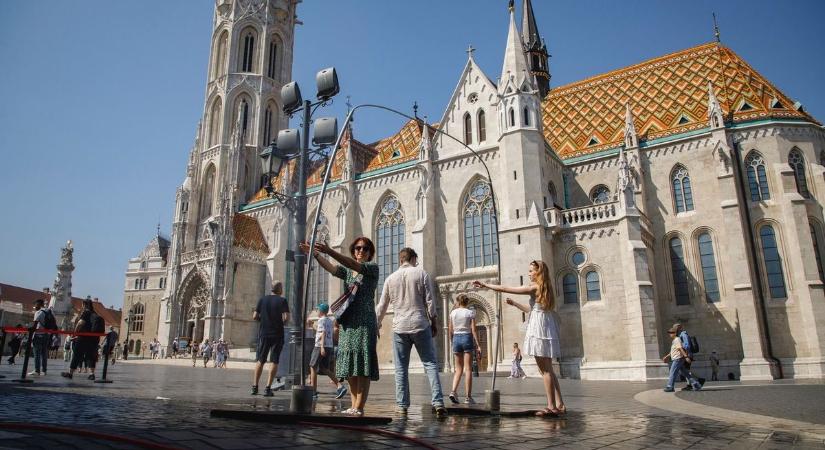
(170,405)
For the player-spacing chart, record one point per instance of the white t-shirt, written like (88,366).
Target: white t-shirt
(40,318)
(461,318)
(324,325)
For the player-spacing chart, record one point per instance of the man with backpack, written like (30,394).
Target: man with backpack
(43,320)
(86,347)
(691,346)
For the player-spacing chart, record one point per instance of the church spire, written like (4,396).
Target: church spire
(535,50)
(515,64)
(631,140)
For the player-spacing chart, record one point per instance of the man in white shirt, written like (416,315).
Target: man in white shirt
(410,292)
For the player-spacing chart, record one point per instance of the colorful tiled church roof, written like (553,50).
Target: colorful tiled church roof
(668,96)
(248,233)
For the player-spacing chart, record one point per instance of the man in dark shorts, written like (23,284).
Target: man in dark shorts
(272,313)
(85,346)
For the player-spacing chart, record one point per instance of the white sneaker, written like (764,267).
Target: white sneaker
(278,386)
(33,373)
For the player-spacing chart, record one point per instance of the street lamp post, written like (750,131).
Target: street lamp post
(291,143)
(129,318)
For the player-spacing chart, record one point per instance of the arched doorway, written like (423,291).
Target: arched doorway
(195,297)
(484,331)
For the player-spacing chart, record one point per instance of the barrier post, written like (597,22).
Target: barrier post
(2,347)
(106,352)
(28,353)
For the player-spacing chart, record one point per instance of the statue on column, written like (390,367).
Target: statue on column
(61,300)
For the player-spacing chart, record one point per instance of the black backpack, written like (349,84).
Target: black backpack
(51,322)
(98,324)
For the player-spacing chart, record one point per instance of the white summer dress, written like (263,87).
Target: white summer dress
(542,338)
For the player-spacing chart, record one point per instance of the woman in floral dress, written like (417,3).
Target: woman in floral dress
(357,358)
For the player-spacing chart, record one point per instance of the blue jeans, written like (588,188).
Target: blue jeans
(40,350)
(402,345)
(677,367)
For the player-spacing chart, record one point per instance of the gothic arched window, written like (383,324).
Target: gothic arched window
(389,232)
(525,117)
(482,126)
(679,270)
(247,51)
(600,194)
(797,163)
(551,194)
(773,262)
(480,241)
(468,129)
(757,179)
(215,123)
(207,193)
(271,68)
(594,291)
(708,262)
(512,118)
(219,62)
(138,314)
(682,192)
(268,124)
(570,288)
(817,252)
(318,287)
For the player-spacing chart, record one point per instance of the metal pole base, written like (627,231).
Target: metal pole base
(23,380)
(301,400)
(492,400)
(103,381)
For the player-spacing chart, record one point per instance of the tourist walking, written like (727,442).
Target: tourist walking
(272,312)
(516,371)
(14,345)
(85,347)
(542,337)
(322,360)
(357,359)
(175,348)
(677,357)
(193,348)
(410,293)
(206,351)
(687,344)
(41,341)
(714,367)
(462,331)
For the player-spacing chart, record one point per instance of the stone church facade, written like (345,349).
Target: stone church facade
(686,188)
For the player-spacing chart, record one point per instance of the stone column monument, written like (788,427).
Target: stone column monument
(61,301)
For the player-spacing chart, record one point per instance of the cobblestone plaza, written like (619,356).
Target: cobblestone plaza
(170,405)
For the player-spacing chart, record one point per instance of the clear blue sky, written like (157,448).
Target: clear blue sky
(100,99)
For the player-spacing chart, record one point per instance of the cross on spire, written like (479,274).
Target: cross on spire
(470,51)
(415,109)
(716,29)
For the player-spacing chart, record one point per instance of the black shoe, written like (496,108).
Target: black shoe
(687,388)
(702,382)
(440,411)
(268,392)
(254,390)
(92,377)
(66,375)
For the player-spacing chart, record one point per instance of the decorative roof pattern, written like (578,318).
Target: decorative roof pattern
(157,247)
(401,147)
(248,233)
(668,95)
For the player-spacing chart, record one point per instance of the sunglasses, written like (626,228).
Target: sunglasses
(361,249)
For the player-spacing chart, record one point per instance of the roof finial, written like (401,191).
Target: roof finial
(510,6)
(349,104)
(158,228)
(470,51)
(415,109)
(716,29)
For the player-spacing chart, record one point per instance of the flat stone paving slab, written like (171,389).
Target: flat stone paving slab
(171,405)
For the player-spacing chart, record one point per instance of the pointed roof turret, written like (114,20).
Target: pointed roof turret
(715,116)
(515,64)
(631,139)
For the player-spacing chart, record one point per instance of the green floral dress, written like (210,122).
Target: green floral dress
(358,338)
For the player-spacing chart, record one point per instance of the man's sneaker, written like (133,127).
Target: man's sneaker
(687,388)
(268,392)
(440,411)
(278,386)
(92,377)
(469,400)
(453,397)
(254,390)
(66,375)
(668,389)
(33,373)
(341,391)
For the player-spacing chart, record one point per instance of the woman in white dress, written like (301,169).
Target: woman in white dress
(542,338)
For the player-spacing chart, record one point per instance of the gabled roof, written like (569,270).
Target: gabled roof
(248,234)
(26,297)
(401,147)
(668,96)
